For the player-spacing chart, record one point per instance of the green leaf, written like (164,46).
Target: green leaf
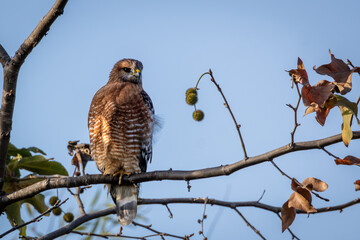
(347,133)
(351,106)
(36,150)
(13,215)
(37,202)
(40,165)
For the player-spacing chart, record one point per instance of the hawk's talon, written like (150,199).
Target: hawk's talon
(121,173)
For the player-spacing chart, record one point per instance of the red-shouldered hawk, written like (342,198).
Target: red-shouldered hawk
(121,120)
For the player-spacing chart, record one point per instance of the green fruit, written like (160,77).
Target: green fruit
(53,200)
(198,115)
(68,217)
(56,211)
(191,90)
(191,99)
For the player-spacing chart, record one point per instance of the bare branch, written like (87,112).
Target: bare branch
(87,217)
(330,154)
(84,218)
(39,32)
(168,175)
(249,224)
(78,200)
(295,109)
(11,71)
(237,126)
(157,232)
(281,171)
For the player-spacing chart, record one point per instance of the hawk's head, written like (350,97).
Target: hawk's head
(127,70)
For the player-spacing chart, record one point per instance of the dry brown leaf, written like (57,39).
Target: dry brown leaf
(294,184)
(348,160)
(301,199)
(339,71)
(287,216)
(357,186)
(316,184)
(300,74)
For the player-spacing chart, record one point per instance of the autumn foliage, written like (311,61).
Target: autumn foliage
(321,98)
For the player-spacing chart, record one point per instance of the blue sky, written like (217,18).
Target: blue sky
(248,45)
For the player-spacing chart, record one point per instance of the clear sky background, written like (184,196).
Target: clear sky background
(248,45)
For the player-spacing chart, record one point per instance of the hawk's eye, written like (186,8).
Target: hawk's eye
(127,69)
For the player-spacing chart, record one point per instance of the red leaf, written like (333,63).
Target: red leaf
(348,160)
(317,94)
(300,74)
(319,100)
(339,71)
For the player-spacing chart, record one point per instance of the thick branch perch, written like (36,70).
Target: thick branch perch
(11,72)
(69,182)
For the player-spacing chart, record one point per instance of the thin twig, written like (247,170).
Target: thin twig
(332,155)
(296,124)
(148,227)
(237,126)
(249,224)
(78,200)
(107,236)
(203,218)
(37,219)
(281,171)
(167,207)
(262,195)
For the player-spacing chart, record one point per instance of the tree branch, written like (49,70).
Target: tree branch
(249,224)
(237,126)
(168,175)
(11,72)
(89,216)
(295,109)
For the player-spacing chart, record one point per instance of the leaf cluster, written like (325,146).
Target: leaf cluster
(33,160)
(321,97)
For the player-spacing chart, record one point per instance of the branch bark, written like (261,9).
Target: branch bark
(11,71)
(69,182)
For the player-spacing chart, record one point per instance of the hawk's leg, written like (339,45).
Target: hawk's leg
(121,173)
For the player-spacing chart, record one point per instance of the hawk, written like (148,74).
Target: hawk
(121,120)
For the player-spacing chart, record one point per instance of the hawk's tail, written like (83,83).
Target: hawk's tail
(125,198)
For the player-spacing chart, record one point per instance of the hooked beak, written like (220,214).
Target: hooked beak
(137,73)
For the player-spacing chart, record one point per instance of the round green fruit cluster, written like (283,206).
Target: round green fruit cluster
(68,217)
(191,99)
